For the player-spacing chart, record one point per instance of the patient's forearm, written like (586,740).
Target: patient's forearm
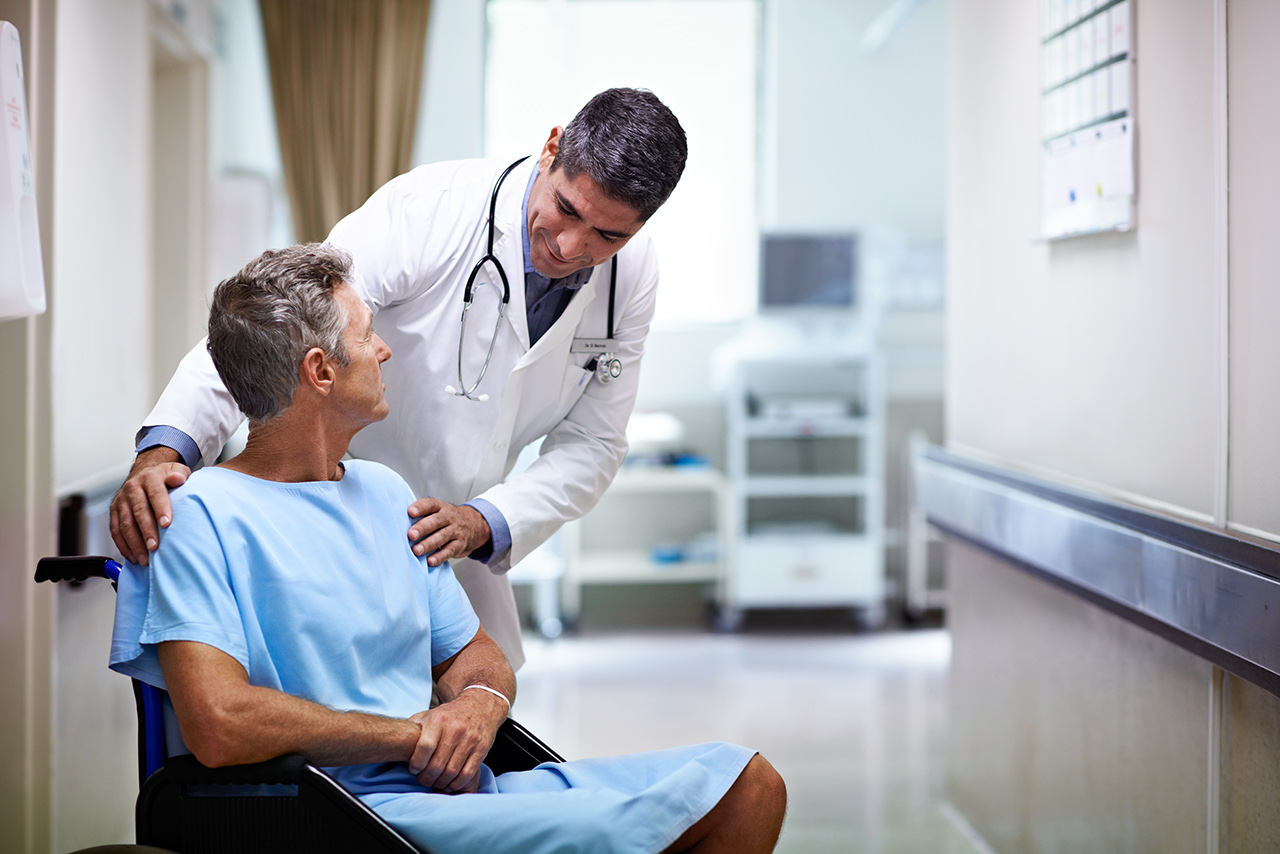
(263,723)
(480,662)
(226,721)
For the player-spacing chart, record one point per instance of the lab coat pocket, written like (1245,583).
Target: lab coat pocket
(576,378)
(551,387)
(573,382)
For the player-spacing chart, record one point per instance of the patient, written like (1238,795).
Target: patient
(285,613)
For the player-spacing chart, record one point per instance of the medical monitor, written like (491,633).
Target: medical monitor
(808,272)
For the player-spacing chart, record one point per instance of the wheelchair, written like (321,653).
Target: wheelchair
(280,806)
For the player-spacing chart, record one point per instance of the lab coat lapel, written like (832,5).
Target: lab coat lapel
(493,465)
(508,246)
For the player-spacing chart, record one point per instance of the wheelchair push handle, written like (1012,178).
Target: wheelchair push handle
(78,568)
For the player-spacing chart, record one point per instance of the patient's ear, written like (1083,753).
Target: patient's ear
(316,371)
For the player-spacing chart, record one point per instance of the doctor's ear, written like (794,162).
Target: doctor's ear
(550,149)
(316,371)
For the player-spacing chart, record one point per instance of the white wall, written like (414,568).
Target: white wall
(179,199)
(1254,66)
(1091,358)
(102,236)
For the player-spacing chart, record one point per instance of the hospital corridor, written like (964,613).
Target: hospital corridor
(639,426)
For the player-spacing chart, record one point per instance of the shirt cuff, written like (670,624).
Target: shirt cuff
(499,531)
(170,437)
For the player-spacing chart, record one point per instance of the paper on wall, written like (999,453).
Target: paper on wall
(21,266)
(1088,181)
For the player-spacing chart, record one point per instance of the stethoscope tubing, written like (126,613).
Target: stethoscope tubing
(467,293)
(497,325)
(607,367)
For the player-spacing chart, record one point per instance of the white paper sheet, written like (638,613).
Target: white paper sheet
(21,265)
(1119,15)
(1088,181)
(1119,87)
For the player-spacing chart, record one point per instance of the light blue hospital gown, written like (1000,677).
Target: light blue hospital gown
(314,589)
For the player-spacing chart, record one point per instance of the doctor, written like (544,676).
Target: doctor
(470,390)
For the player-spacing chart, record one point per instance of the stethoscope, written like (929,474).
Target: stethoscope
(606,365)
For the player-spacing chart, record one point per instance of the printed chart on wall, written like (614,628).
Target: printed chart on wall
(1087,117)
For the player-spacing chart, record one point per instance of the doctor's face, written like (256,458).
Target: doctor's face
(572,223)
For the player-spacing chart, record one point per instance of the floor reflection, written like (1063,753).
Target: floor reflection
(855,723)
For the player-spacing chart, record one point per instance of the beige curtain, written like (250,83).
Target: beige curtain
(346,76)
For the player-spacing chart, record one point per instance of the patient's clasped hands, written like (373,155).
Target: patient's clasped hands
(456,737)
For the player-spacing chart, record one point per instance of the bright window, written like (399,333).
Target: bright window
(546,58)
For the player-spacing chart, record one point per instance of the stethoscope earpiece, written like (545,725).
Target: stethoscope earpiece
(481,398)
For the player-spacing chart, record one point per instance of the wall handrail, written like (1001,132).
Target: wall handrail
(1214,593)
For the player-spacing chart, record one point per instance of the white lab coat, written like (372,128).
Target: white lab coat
(414,243)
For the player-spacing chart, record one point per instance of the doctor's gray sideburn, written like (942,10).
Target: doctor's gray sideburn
(630,144)
(265,318)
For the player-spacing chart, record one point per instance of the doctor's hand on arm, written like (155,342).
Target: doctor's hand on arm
(475,687)
(445,531)
(141,507)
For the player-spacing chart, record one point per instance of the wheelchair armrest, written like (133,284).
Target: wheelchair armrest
(283,770)
(514,749)
(517,749)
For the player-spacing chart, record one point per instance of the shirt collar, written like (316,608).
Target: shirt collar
(524,222)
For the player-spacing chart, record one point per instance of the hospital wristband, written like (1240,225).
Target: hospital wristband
(492,691)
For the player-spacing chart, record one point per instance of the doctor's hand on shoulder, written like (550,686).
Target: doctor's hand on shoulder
(141,507)
(444,531)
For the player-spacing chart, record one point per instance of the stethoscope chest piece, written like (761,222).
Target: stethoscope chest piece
(606,364)
(608,368)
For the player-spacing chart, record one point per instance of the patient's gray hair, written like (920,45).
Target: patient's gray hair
(265,318)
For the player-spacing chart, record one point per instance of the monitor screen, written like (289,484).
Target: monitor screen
(807,271)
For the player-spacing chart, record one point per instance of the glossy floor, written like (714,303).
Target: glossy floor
(855,723)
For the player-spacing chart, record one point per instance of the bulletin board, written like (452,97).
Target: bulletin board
(1086,107)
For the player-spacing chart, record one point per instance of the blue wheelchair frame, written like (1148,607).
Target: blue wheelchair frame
(280,806)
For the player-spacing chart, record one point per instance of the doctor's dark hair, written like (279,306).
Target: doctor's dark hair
(265,318)
(630,144)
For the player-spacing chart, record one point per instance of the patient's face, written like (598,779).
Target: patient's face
(360,391)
